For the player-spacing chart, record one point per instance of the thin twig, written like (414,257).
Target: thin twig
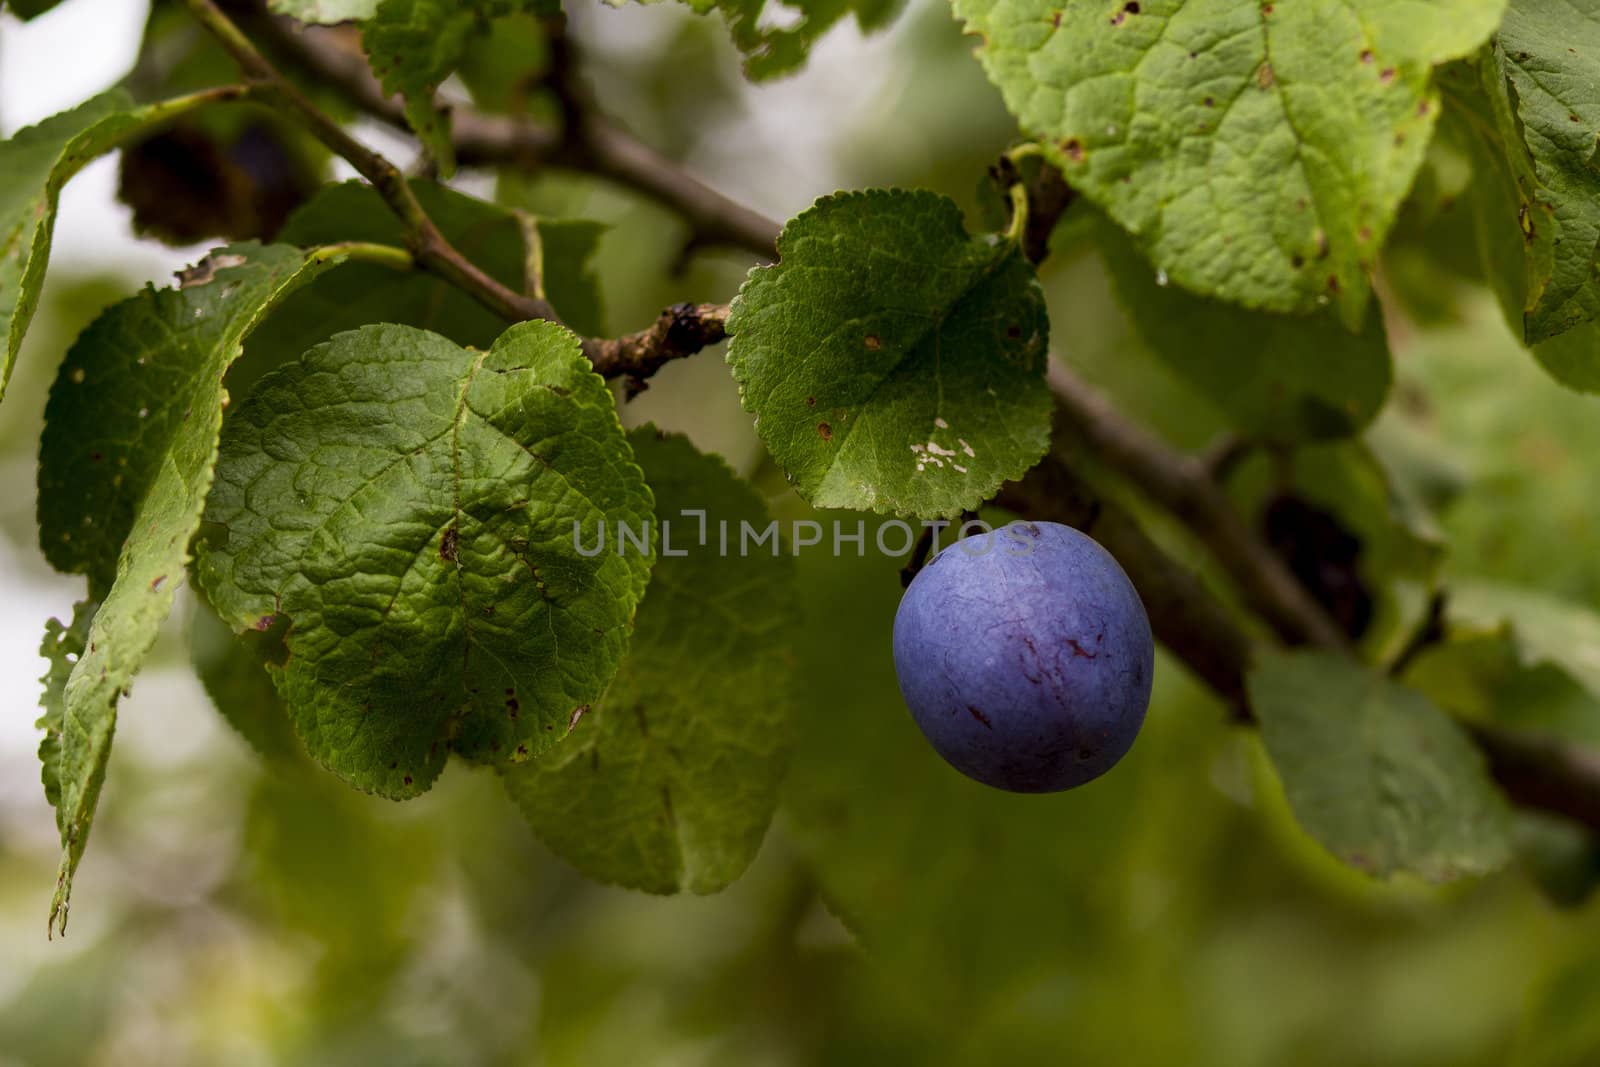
(919,556)
(593,144)
(1428,633)
(679,331)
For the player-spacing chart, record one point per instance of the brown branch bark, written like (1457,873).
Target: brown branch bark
(680,330)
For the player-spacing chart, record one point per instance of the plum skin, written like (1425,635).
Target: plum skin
(1025,656)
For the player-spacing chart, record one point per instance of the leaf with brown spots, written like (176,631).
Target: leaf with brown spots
(922,345)
(1548,61)
(1225,135)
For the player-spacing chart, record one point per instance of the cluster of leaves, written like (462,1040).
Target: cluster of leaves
(384,522)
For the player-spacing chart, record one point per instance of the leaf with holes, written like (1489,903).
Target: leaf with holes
(892,360)
(668,783)
(1385,780)
(413,512)
(127,456)
(1258,151)
(63,645)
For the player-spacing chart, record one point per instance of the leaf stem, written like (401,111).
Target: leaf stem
(148,117)
(160,111)
(364,252)
(1018,225)
(1025,150)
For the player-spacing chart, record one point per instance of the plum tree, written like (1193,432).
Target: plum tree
(1026,657)
(368,438)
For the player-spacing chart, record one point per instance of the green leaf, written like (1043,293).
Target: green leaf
(1549,56)
(1281,378)
(1385,780)
(28,9)
(670,781)
(1544,630)
(127,456)
(414,45)
(233,669)
(1525,116)
(36,163)
(62,647)
(893,361)
(1257,151)
(1573,358)
(775,40)
(411,510)
(1560,1027)
(325,11)
(1488,217)
(1481,676)
(363,293)
(135,407)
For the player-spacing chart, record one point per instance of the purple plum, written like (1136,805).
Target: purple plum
(1026,657)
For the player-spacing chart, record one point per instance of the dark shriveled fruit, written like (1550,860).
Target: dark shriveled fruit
(1026,657)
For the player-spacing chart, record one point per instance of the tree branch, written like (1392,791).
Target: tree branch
(681,330)
(593,143)
(1182,484)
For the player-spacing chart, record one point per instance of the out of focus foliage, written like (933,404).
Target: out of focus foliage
(1170,913)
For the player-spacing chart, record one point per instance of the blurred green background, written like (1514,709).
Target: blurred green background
(1168,914)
